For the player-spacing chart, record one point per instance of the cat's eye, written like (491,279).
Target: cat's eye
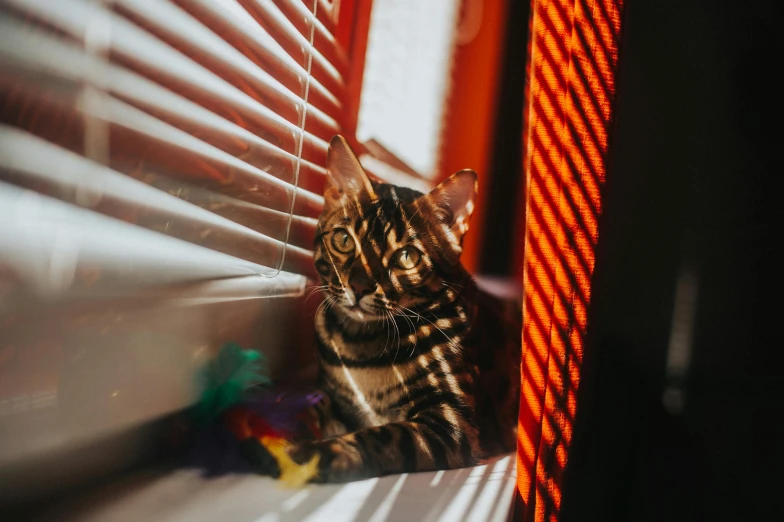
(406,258)
(342,241)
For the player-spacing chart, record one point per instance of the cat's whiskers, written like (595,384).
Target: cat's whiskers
(397,349)
(328,301)
(452,286)
(413,328)
(407,318)
(449,340)
(386,324)
(315,288)
(321,304)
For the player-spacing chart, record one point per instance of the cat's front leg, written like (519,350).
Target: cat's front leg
(322,416)
(437,439)
(319,422)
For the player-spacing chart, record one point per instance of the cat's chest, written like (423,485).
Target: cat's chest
(373,395)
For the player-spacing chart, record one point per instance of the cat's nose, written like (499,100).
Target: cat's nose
(362,289)
(360,282)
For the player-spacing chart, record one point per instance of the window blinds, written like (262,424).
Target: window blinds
(162,142)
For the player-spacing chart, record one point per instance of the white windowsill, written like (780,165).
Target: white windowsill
(481,493)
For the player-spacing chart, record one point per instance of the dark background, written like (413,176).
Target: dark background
(694,157)
(498,253)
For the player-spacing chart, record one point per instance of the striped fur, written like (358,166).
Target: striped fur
(418,368)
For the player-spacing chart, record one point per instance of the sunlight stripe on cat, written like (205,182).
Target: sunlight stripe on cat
(444,323)
(402,381)
(453,419)
(454,387)
(355,388)
(395,282)
(422,445)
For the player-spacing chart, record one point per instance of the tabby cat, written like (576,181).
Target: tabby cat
(418,368)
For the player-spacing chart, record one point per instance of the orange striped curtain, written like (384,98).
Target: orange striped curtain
(572,64)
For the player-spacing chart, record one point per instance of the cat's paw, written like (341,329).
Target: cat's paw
(339,461)
(259,457)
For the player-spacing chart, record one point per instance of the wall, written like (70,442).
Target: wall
(82,382)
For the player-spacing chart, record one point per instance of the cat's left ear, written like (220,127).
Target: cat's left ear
(452,202)
(345,176)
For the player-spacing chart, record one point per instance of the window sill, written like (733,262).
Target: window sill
(481,493)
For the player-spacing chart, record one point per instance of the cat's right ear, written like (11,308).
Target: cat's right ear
(452,202)
(345,176)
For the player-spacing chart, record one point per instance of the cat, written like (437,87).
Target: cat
(418,368)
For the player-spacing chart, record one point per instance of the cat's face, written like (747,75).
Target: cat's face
(383,249)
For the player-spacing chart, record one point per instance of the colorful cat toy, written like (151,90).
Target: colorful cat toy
(239,426)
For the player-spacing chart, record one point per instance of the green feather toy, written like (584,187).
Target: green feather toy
(227,378)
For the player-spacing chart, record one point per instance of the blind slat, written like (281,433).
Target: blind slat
(36,164)
(197,119)
(325,13)
(284,32)
(56,249)
(301,18)
(235,25)
(43,53)
(186,34)
(150,57)
(386,173)
(140,143)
